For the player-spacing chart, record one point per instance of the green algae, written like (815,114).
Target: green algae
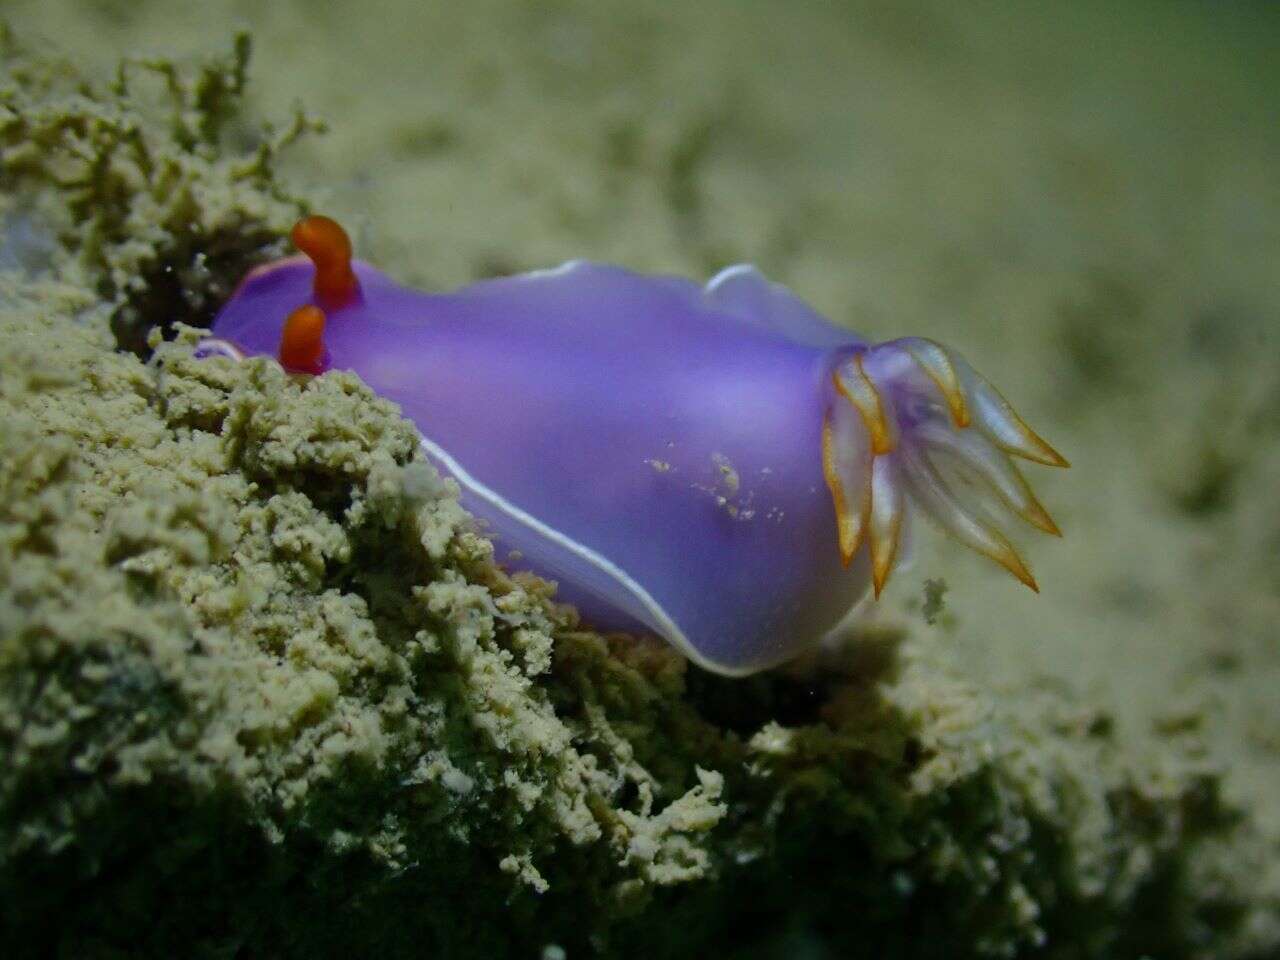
(263,690)
(136,166)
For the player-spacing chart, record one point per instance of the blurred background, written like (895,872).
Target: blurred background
(1083,198)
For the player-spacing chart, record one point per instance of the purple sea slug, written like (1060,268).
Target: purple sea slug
(717,464)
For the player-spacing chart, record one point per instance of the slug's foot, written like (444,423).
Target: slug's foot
(911,421)
(217,347)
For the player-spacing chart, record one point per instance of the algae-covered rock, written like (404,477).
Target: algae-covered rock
(155,212)
(264,692)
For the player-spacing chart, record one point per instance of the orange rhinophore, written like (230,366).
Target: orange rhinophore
(327,245)
(302,341)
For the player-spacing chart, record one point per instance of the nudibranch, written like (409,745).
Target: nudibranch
(714,463)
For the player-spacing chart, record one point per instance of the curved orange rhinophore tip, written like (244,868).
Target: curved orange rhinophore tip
(1040,518)
(1010,560)
(855,386)
(1032,446)
(327,245)
(933,360)
(302,342)
(887,511)
(849,525)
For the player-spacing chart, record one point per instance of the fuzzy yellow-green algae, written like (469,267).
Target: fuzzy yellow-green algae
(263,691)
